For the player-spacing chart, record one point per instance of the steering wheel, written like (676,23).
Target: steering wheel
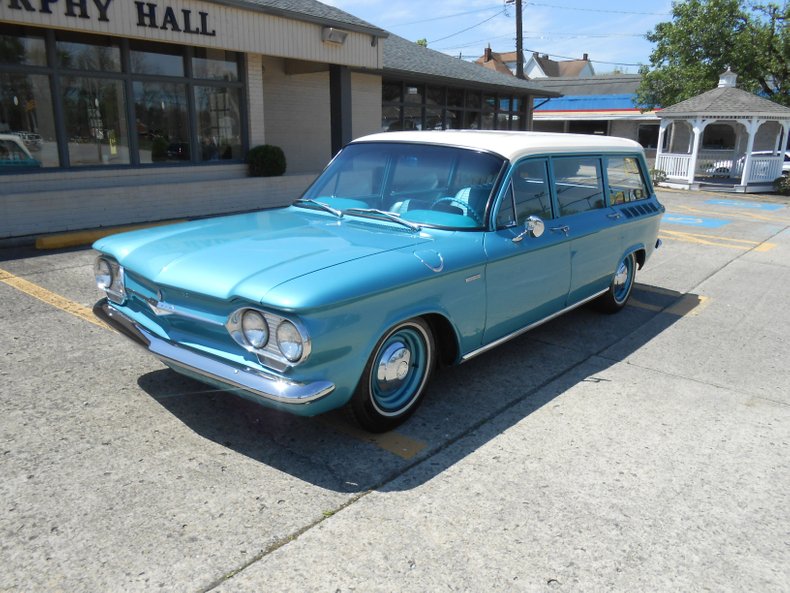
(470,212)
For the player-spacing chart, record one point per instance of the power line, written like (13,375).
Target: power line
(580,35)
(594,61)
(547,36)
(548,5)
(468,28)
(447,16)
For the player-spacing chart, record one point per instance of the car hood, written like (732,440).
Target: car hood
(248,255)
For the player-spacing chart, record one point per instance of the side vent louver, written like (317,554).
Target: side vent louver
(638,210)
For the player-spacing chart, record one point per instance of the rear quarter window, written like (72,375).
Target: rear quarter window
(626,183)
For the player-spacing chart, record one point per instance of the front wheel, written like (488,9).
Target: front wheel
(395,376)
(620,290)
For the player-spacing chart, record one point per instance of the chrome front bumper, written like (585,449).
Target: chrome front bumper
(253,383)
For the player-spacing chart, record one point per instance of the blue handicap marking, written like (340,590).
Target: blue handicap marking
(748,205)
(708,223)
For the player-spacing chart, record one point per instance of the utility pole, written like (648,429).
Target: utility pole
(519,40)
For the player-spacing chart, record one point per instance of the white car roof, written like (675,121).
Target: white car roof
(16,140)
(511,145)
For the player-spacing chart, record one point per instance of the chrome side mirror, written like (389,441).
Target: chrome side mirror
(533,227)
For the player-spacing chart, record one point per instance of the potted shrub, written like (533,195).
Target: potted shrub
(266,161)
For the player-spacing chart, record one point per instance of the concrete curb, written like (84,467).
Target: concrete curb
(78,238)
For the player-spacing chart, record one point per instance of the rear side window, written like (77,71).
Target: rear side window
(578,184)
(626,183)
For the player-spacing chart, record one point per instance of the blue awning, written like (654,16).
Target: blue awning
(587,103)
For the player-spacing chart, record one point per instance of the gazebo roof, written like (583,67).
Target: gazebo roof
(726,103)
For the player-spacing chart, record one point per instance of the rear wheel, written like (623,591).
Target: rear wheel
(395,376)
(620,289)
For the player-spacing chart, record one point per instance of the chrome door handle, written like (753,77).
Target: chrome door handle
(563,229)
(614,215)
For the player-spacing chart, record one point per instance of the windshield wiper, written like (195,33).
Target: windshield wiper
(390,216)
(321,205)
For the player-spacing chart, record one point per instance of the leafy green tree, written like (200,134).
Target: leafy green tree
(705,37)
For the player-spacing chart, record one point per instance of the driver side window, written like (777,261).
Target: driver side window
(528,194)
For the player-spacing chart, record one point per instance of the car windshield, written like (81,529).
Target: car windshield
(423,184)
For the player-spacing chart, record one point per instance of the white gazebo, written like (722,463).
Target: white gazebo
(726,138)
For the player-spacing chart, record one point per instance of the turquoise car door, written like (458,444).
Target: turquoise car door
(527,277)
(587,222)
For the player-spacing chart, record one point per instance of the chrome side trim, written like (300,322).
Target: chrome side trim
(524,330)
(256,383)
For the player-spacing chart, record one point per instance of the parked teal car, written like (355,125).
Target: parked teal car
(411,249)
(14,155)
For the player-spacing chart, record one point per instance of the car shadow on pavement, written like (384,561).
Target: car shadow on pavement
(464,407)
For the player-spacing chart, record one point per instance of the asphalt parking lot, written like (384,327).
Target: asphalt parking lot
(644,451)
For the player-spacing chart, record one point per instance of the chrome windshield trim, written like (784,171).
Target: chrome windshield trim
(253,382)
(524,330)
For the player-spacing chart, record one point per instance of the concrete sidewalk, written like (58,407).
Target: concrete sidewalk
(643,451)
(663,468)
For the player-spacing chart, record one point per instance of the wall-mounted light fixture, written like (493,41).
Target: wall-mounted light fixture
(332,35)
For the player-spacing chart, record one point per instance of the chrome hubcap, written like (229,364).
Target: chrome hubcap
(393,365)
(621,277)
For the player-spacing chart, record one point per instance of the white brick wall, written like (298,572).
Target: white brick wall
(79,200)
(365,104)
(297,115)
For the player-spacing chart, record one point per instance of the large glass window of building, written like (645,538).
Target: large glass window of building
(80,100)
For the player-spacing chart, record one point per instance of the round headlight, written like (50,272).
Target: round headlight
(103,271)
(289,340)
(254,328)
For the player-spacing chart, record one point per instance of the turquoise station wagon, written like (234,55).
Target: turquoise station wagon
(410,250)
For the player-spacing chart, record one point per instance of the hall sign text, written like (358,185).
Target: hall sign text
(149,14)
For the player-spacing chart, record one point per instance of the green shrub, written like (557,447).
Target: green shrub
(658,175)
(782,185)
(266,161)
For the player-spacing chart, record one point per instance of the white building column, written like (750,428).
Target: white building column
(661,132)
(698,127)
(255,107)
(751,128)
(781,141)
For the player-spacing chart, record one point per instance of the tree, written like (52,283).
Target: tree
(705,37)
(422,42)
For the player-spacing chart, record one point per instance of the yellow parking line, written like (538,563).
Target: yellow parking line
(394,442)
(716,240)
(730,214)
(689,305)
(51,298)
(633,302)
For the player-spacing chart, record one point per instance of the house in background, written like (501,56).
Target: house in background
(504,63)
(541,66)
(589,103)
(537,66)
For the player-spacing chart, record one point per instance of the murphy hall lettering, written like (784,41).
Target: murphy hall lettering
(149,14)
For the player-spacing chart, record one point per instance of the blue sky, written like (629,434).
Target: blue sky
(610,31)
